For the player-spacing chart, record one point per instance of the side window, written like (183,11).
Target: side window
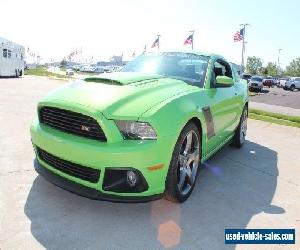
(5,53)
(236,74)
(220,68)
(9,53)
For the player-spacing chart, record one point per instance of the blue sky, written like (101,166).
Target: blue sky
(54,28)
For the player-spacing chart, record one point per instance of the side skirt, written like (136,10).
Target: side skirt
(215,150)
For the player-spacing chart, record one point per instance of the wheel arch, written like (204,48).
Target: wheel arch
(198,123)
(247,105)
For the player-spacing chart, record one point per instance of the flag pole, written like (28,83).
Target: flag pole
(192,31)
(243,48)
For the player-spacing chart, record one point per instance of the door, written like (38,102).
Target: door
(224,105)
(297,82)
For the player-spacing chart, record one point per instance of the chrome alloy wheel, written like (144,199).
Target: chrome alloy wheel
(188,162)
(243,129)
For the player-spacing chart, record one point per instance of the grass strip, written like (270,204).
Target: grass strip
(44,72)
(293,121)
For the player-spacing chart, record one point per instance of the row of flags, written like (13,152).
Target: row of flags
(74,53)
(189,40)
(238,36)
(31,53)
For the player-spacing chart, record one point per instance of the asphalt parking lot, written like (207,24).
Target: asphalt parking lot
(279,97)
(254,187)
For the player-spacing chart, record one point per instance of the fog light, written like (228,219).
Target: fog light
(131,178)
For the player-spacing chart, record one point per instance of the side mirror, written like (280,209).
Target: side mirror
(224,80)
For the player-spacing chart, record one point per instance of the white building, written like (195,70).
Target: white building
(11,58)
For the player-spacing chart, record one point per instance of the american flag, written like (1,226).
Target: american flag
(189,40)
(239,35)
(156,43)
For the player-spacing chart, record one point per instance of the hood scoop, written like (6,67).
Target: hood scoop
(103,80)
(121,78)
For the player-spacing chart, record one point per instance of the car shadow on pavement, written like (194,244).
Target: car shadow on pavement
(232,187)
(265,91)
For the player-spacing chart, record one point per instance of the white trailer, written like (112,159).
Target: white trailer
(11,58)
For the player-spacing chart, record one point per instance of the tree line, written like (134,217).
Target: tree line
(255,66)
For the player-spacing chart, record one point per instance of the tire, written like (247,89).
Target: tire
(184,166)
(292,88)
(21,73)
(17,73)
(241,131)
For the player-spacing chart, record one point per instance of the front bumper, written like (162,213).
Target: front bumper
(139,155)
(255,86)
(86,191)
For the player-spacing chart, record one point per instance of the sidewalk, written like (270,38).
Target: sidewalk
(274,108)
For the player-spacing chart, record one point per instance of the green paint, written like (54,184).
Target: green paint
(165,103)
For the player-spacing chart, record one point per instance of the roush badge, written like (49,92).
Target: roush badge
(85,128)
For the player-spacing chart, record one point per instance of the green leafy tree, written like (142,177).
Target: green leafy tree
(254,65)
(271,69)
(263,71)
(293,69)
(63,63)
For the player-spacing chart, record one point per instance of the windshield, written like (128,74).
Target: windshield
(187,67)
(258,79)
(246,77)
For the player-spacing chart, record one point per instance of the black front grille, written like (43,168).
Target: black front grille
(71,122)
(70,168)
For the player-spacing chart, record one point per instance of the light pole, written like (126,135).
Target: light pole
(278,60)
(243,48)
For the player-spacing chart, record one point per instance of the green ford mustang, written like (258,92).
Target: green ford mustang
(142,133)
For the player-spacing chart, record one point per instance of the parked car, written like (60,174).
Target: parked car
(255,83)
(141,133)
(76,67)
(276,80)
(292,84)
(246,77)
(99,69)
(107,69)
(69,72)
(282,81)
(268,82)
(88,69)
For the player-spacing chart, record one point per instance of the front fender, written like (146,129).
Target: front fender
(169,117)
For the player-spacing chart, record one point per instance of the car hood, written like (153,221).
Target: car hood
(119,95)
(253,81)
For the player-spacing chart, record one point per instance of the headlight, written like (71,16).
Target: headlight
(133,130)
